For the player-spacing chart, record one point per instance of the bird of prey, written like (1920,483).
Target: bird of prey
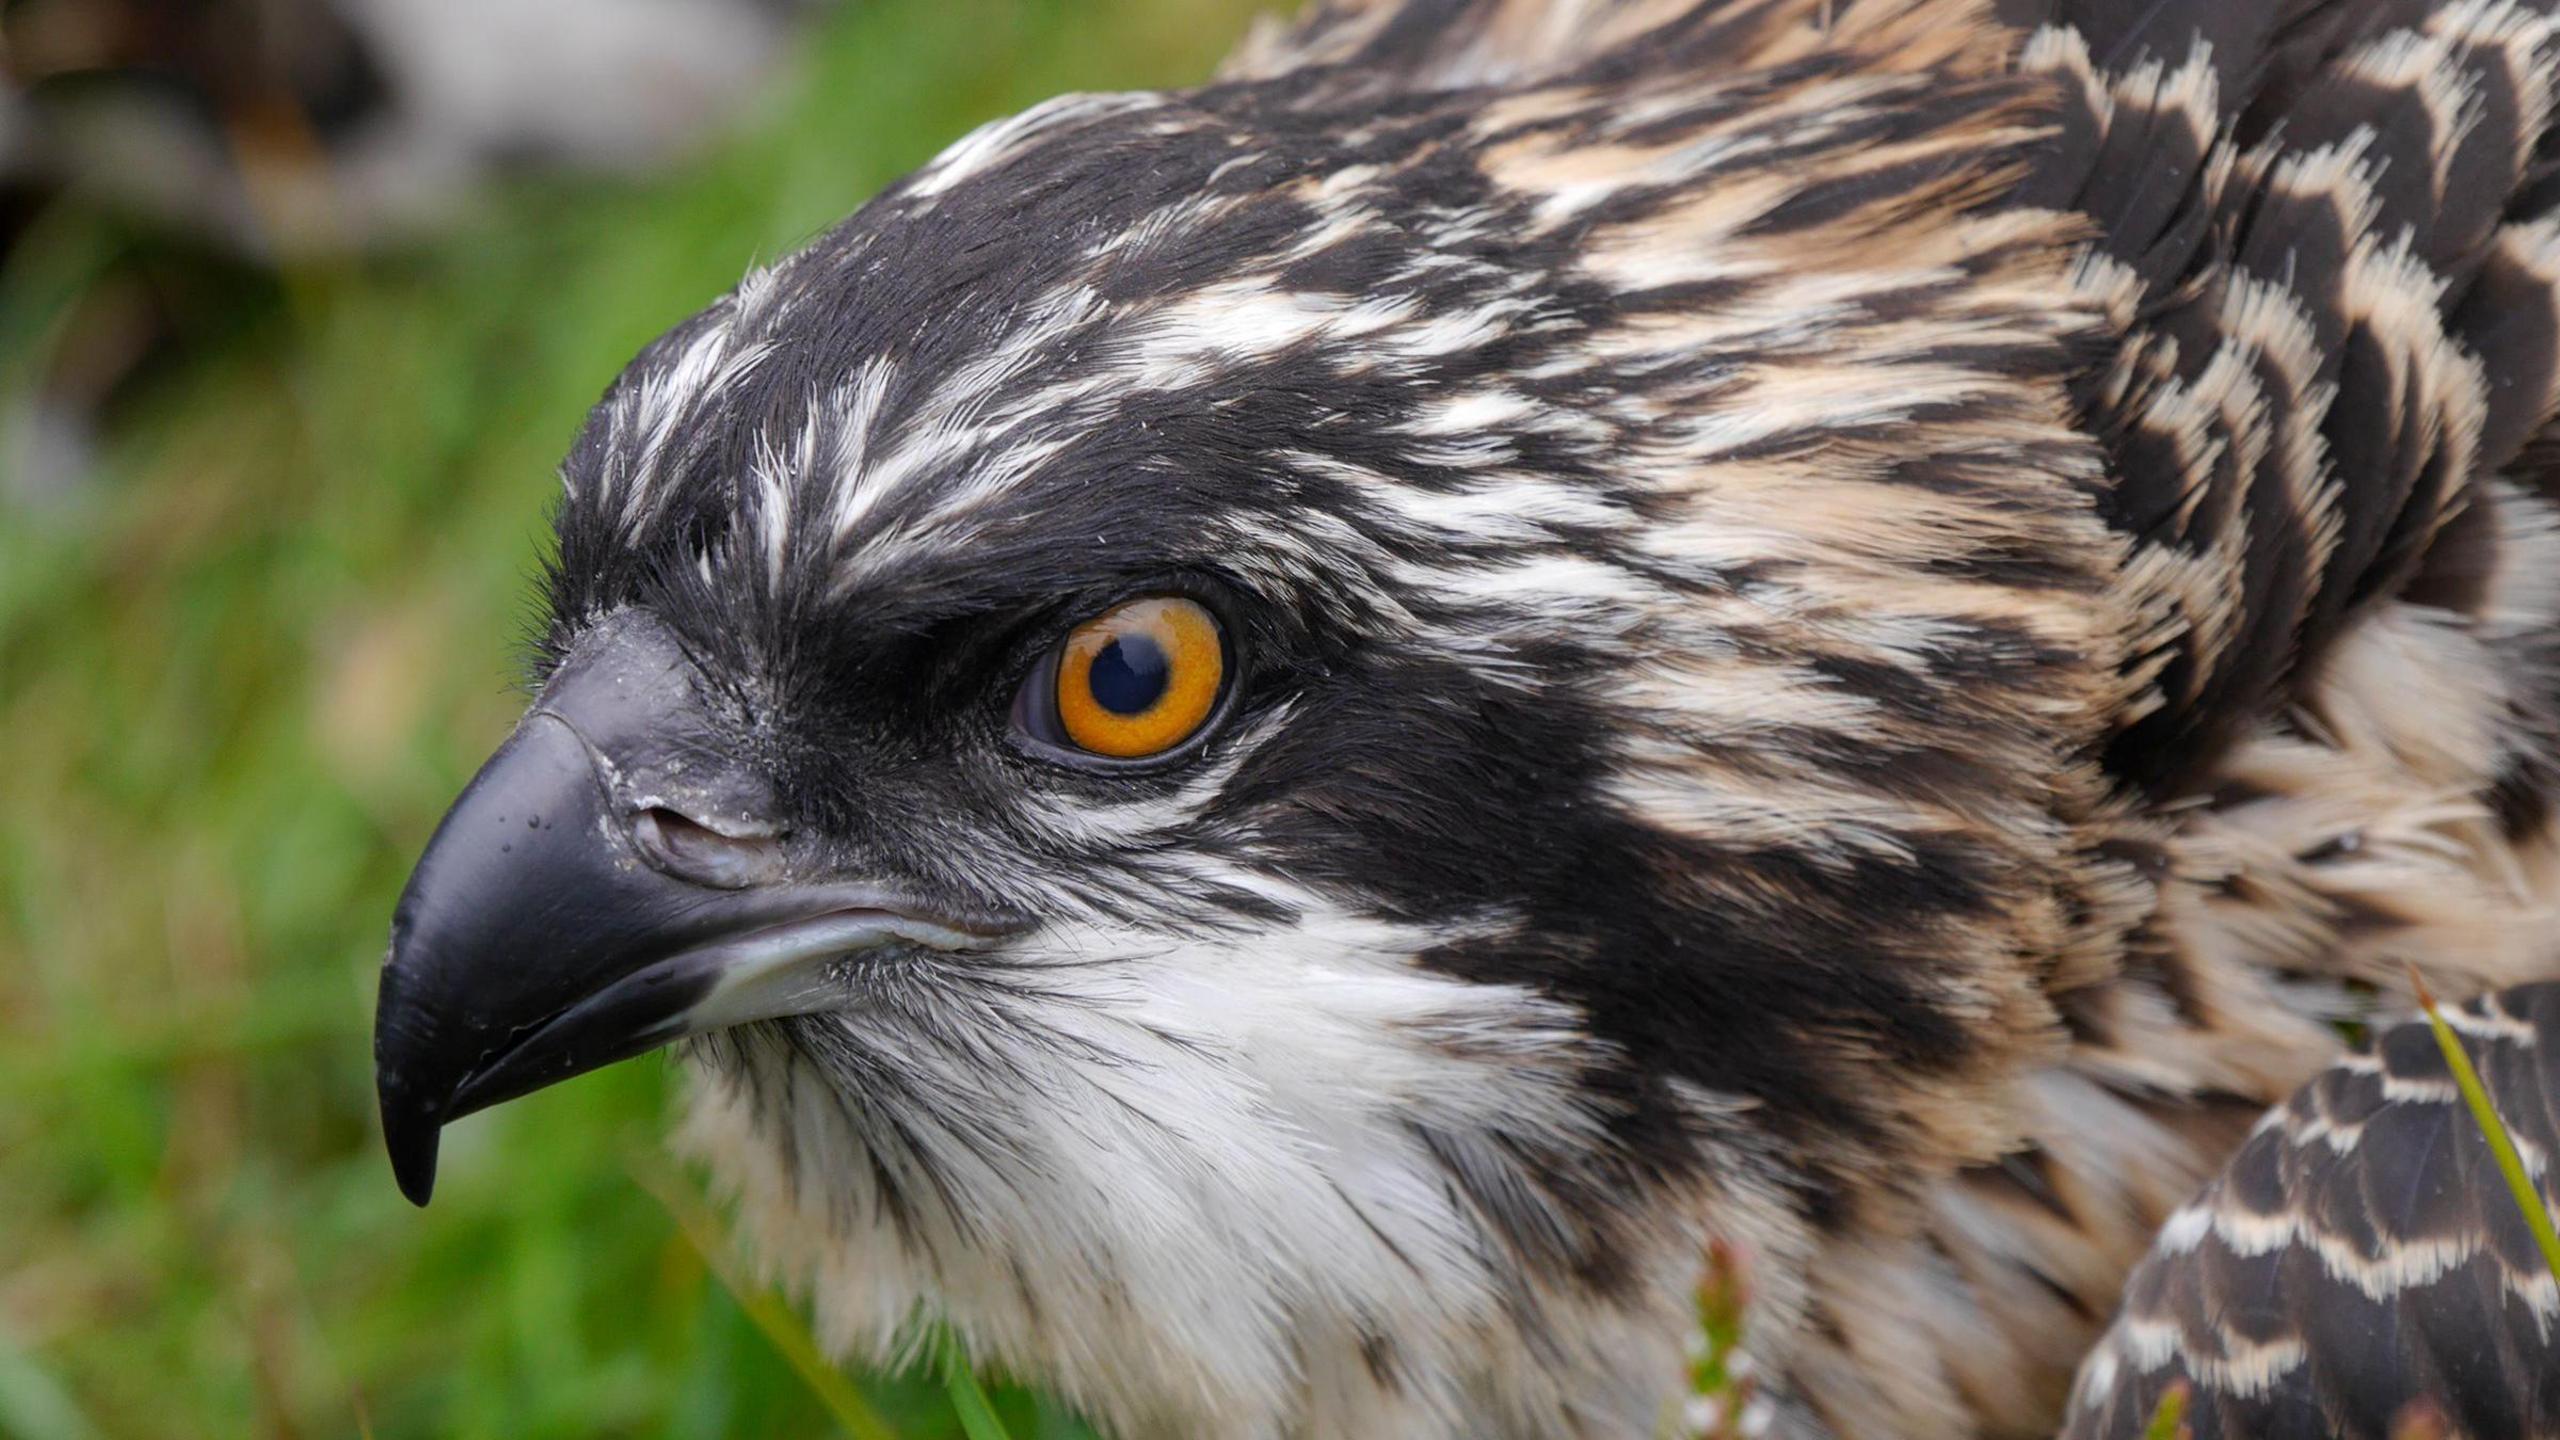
(1280,747)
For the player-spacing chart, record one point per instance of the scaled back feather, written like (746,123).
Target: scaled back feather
(2360,1266)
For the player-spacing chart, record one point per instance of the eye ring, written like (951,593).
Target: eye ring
(1130,687)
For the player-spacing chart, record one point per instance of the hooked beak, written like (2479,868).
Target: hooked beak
(607,883)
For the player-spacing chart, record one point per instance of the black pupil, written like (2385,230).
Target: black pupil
(1129,675)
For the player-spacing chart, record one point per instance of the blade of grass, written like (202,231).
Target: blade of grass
(1721,1387)
(2537,1215)
(33,1403)
(2169,1422)
(968,1401)
(781,1327)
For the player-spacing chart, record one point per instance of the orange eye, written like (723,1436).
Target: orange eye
(1140,678)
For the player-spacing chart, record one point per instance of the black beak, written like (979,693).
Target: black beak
(608,882)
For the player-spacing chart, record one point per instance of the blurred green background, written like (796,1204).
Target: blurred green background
(244,665)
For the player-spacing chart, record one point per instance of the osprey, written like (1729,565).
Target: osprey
(1280,747)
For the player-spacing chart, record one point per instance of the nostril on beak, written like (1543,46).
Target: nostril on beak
(686,848)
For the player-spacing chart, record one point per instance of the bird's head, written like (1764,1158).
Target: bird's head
(1212,719)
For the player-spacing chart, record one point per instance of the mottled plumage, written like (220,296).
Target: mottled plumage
(2360,1263)
(1856,622)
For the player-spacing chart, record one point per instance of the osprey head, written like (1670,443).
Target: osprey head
(1240,747)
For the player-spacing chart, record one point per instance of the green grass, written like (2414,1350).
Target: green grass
(240,676)
(2493,1129)
(2169,1422)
